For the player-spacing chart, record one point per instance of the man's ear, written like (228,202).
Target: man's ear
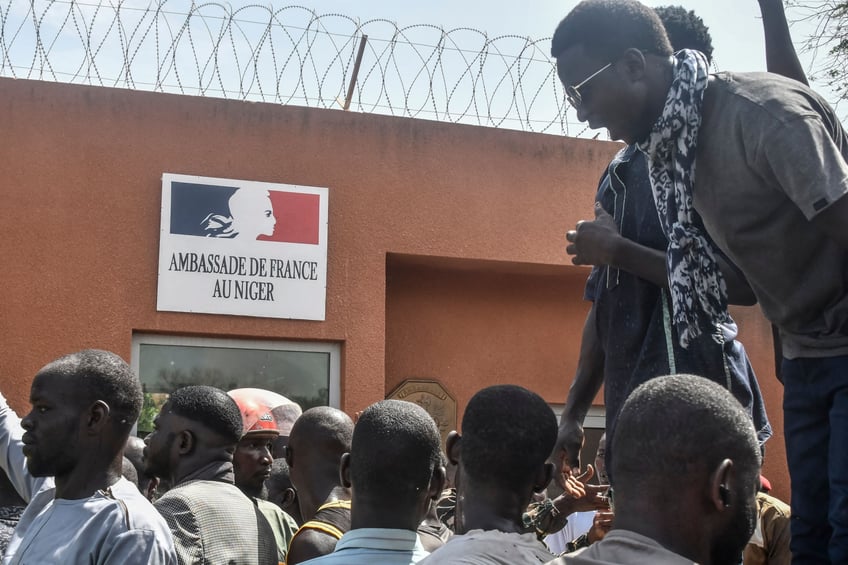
(185,442)
(96,416)
(721,485)
(437,483)
(453,447)
(344,470)
(289,497)
(150,493)
(543,477)
(634,64)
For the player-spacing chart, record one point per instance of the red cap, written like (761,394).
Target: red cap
(255,415)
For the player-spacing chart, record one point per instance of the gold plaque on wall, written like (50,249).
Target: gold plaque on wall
(433,398)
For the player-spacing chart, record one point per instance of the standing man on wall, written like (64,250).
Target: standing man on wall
(770,188)
(629,337)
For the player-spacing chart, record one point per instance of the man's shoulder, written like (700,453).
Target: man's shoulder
(136,511)
(772,507)
(767,98)
(623,546)
(114,520)
(200,491)
(275,514)
(200,496)
(491,547)
(269,508)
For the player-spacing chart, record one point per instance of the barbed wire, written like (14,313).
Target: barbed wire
(288,55)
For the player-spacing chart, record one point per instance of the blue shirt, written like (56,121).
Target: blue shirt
(375,546)
(633,315)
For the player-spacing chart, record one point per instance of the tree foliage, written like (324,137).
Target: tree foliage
(827,42)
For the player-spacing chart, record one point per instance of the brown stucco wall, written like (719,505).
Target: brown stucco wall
(446,242)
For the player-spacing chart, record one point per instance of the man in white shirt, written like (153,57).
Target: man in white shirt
(65,457)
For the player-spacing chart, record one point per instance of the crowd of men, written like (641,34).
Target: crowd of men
(243,477)
(364,491)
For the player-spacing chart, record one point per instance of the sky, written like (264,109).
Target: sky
(735,25)
(267,56)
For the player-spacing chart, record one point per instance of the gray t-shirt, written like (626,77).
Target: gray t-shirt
(490,547)
(623,546)
(771,156)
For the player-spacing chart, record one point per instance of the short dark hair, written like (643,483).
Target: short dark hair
(209,406)
(508,432)
(608,28)
(686,30)
(396,446)
(670,427)
(102,375)
(280,476)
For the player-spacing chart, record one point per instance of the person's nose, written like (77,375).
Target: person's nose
(26,422)
(582,114)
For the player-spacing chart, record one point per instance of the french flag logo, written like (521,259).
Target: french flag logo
(245,213)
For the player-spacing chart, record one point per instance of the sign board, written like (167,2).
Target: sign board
(242,248)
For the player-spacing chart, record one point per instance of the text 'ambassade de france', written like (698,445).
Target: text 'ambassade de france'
(236,265)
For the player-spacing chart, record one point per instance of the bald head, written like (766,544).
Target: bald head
(129,471)
(134,451)
(317,442)
(326,431)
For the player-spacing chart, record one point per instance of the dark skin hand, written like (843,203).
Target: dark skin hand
(599,242)
(570,440)
(601,525)
(578,496)
(595,242)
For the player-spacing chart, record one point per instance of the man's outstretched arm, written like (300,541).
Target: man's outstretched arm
(781,57)
(587,382)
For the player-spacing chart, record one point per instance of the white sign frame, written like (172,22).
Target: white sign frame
(222,249)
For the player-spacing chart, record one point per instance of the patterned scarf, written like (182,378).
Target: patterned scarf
(694,279)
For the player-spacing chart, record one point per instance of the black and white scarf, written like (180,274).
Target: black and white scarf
(695,282)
